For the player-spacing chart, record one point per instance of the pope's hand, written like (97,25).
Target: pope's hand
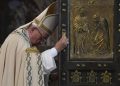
(62,43)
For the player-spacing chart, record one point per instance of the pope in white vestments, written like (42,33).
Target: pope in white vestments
(21,64)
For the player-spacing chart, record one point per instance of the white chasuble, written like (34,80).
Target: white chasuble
(12,59)
(33,68)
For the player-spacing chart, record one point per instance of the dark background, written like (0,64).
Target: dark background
(14,13)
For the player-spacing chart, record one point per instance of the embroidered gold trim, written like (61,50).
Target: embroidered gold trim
(32,50)
(37,21)
(45,28)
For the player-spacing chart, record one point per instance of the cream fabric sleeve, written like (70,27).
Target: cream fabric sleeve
(48,60)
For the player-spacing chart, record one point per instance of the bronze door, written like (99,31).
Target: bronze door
(92,56)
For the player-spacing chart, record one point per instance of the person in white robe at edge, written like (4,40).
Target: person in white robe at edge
(21,64)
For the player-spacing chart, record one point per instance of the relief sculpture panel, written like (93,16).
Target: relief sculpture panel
(91,29)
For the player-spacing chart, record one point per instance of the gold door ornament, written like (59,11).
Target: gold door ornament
(106,77)
(91,29)
(76,76)
(92,77)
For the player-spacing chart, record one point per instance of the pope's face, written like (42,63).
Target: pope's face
(37,36)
